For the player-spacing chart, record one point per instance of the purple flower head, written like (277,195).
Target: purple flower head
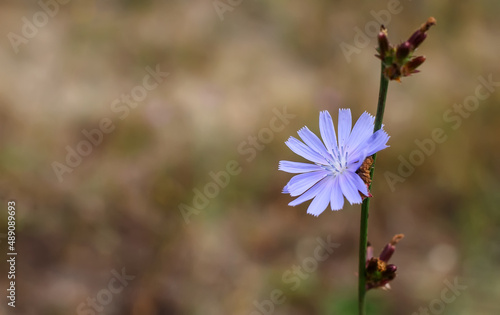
(333,174)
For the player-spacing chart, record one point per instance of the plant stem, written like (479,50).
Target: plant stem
(363,226)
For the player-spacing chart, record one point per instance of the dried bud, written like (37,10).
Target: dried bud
(427,25)
(364,171)
(396,238)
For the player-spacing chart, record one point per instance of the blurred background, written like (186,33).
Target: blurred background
(144,219)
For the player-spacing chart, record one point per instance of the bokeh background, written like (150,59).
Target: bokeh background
(228,74)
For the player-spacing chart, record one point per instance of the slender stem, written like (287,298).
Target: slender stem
(363,226)
(382,95)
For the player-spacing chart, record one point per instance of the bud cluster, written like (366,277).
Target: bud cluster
(398,60)
(378,272)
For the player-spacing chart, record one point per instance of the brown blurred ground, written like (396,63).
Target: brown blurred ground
(119,208)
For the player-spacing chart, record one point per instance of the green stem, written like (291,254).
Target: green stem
(363,226)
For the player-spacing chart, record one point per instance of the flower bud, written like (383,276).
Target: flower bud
(391,268)
(387,252)
(390,248)
(369,251)
(416,39)
(403,51)
(420,35)
(411,66)
(383,42)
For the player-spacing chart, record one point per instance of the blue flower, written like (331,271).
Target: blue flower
(333,174)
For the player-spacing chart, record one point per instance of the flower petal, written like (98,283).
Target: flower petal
(361,131)
(336,197)
(345,124)
(349,188)
(360,184)
(322,199)
(304,151)
(327,131)
(311,193)
(313,142)
(377,142)
(355,160)
(354,166)
(298,167)
(285,190)
(302,182)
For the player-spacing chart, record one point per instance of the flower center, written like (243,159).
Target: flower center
(337,164)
